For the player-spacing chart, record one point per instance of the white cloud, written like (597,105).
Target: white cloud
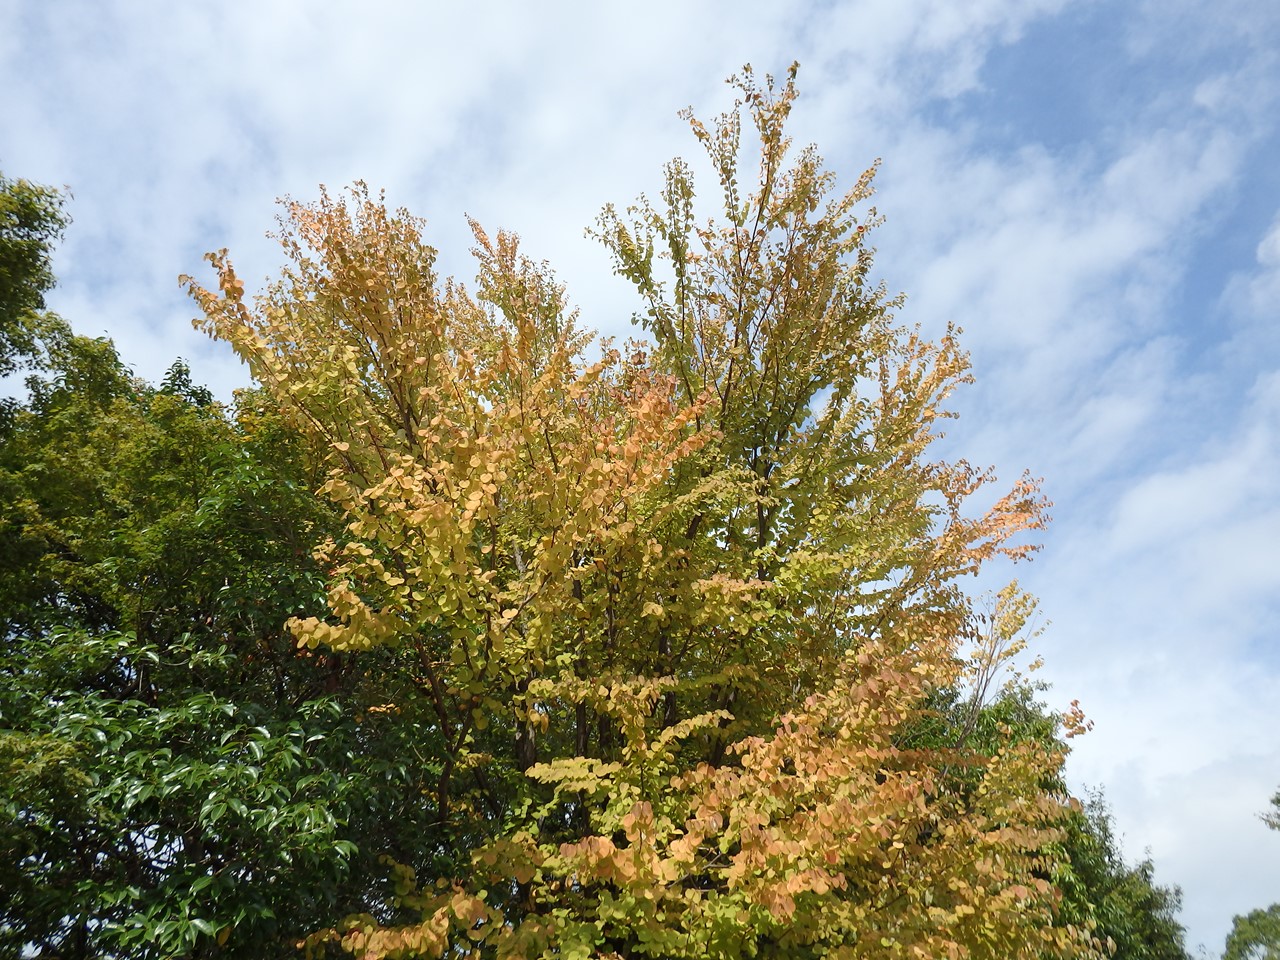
(1164,609)
(1254,296)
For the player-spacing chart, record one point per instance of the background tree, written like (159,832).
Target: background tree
(1123,906)
(1129,909)
(176,778)
(1256,935)
(32,219)
(635,581)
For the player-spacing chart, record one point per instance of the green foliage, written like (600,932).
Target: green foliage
(1272,819)
(1256,935)
(1129,908)
(176,773)
(186,810)
(1120,903)
(32,219)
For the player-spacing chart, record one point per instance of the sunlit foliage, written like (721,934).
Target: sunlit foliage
(681,612)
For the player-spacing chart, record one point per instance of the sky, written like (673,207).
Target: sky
(1090,189)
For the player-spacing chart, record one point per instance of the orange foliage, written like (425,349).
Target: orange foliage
(699,595)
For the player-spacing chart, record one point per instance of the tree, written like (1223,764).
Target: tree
(680,613)
(176,778)
(32,219)
(1256,935)
(1128,908)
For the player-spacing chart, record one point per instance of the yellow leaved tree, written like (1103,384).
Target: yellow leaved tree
(683,615)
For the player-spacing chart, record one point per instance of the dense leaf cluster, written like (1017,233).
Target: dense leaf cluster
(173,771)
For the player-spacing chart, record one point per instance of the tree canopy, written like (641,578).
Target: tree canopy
(32,219)
(466,634)
(698,592)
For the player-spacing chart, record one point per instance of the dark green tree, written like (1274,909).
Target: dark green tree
(1121,903)
(176,777)
(1131,910)
(1272,819)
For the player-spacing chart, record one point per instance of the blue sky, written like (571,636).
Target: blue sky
(1091,189)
